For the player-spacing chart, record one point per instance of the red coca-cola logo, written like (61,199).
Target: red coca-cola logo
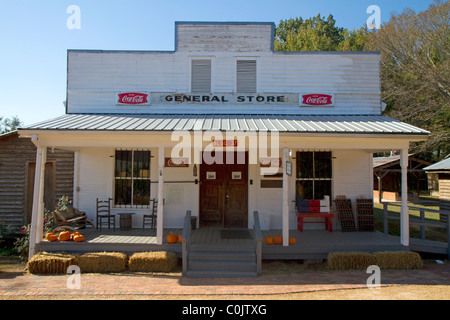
(317,99)
(132,98)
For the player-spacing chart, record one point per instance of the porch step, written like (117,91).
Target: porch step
(206,261)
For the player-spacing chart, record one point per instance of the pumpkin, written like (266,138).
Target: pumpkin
(172,238)
(278,239)
(292,240)
(76,233)
(64,236)
(78,237)
(180,238)
(269,240)
(51,237)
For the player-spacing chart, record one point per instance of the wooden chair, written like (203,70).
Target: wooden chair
(70,219)
(151,218)
(104,214)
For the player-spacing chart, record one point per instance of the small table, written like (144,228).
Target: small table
(125,220)
(328,219)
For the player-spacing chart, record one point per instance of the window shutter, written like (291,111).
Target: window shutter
(246,76)
(201,75)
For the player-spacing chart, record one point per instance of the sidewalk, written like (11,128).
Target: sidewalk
(144,284)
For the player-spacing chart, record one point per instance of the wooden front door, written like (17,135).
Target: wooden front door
(224,192)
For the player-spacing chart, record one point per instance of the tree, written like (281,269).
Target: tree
(7,124)
(317,34)
(415,73)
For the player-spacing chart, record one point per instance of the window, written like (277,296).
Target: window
(201,75)
(246,76)
(314,172)
(132,178)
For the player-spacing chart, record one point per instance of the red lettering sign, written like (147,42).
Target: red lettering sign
(225,143)
(132,98)
(317,99)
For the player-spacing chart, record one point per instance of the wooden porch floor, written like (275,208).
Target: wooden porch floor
(310,244)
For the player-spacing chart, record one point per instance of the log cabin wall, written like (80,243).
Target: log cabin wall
(17,166)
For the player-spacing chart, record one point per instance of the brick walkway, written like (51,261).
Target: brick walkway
(142,284)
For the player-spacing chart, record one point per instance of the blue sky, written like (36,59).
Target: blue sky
(34,37)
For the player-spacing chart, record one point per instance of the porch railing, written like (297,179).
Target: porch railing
(186,240)
(421,221)
(257,238)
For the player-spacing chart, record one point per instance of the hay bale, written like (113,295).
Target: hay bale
(98,262)
(50,263)
(349,260)
(156,261)
(398,260)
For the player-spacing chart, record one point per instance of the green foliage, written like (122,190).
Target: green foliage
(317,34)
(9,124)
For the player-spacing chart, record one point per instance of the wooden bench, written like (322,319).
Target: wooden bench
(314,209)
(327,219)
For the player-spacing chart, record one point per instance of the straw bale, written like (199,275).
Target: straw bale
(156,261)
(50,263)
(398,260)
(103,262)
(349,260)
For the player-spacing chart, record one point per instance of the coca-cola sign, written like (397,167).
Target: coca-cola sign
(133,98)
(317,99)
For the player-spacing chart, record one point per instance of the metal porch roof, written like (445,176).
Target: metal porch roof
(355,124)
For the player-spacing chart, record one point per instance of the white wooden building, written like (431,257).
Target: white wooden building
(224,89)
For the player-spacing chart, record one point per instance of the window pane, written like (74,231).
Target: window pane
(141,190)
(305,189)
(123,164)
(141,164)
(305,165)
(322,164)
(322,188)
(122,192)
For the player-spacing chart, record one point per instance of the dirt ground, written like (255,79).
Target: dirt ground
(11,265)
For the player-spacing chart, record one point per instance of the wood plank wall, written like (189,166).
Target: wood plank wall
(17,161)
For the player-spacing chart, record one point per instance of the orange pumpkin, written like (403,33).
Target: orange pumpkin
(278,239)
(51,237)
(64,236)
(180,238)
(269,240)
(172,238)
(78,237)
(292,240)
(76,233)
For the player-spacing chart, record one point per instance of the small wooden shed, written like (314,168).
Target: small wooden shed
(17,169)
(442,169)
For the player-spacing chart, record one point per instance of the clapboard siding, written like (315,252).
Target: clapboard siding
(232,37)
(15,155)
(95,77)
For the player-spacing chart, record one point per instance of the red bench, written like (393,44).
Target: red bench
(328,219)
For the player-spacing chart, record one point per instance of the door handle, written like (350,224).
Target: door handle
(227,196)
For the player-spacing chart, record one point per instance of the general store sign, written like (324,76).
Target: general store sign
(133,98)
(225,98)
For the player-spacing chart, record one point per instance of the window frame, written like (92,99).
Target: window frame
(247,59)
(132,178)
(192,74)
(314,178)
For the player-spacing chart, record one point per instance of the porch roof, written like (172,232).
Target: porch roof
(283,123)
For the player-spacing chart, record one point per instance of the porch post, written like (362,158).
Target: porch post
(285,209)
(404,214)
(37,215)
(160,212)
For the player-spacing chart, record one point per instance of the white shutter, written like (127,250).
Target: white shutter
(246,76)
(201,75)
